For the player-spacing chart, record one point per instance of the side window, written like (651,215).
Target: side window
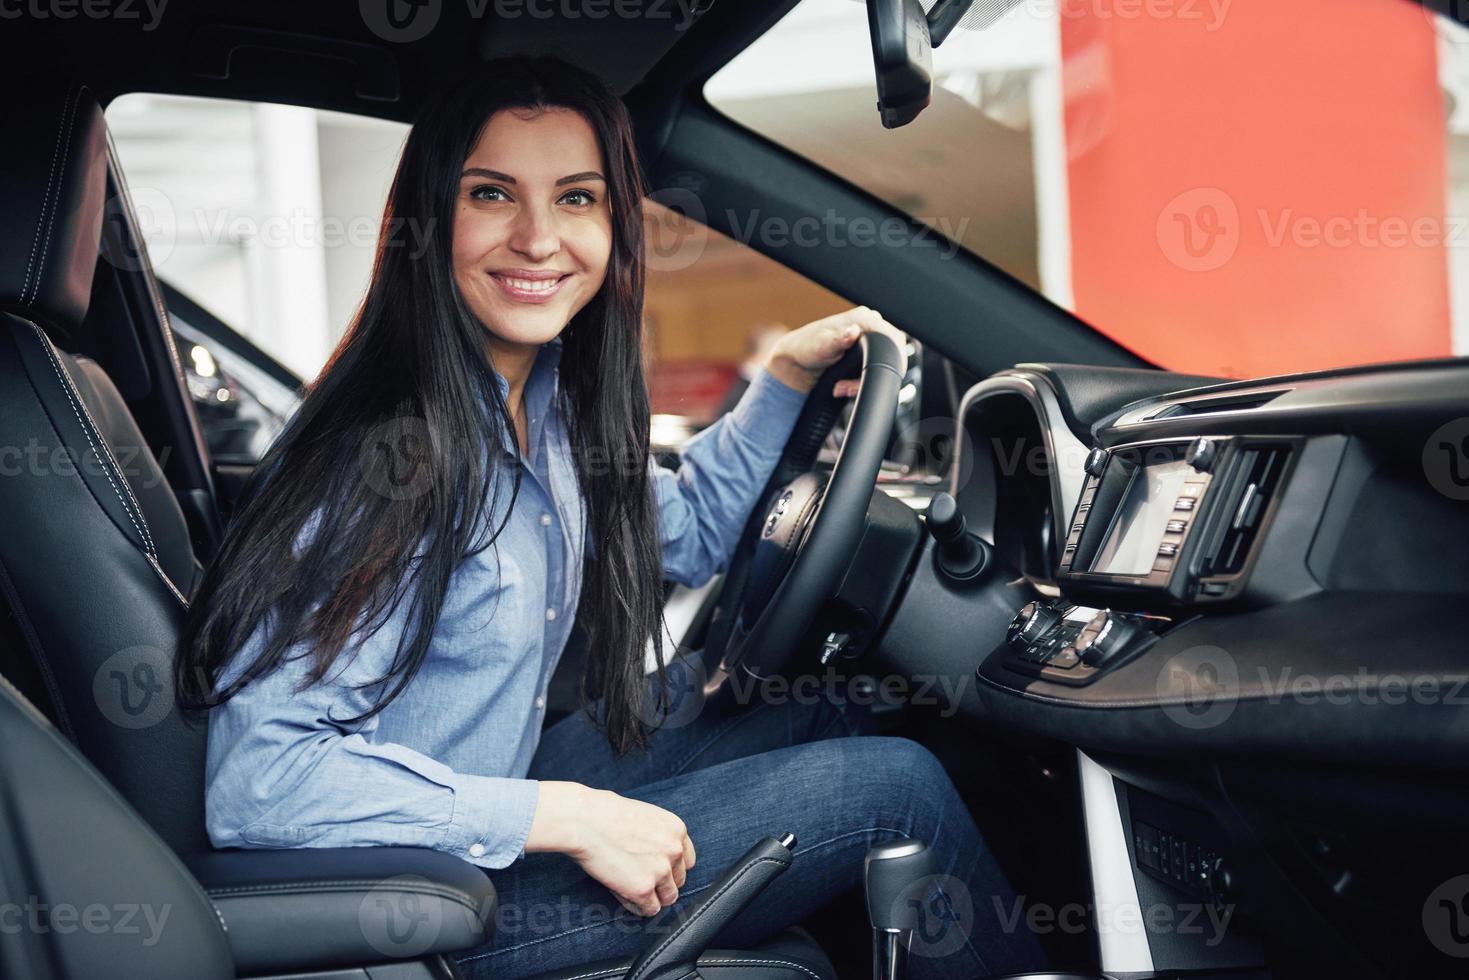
(261,222)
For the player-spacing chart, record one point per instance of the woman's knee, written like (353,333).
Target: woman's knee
(892,770)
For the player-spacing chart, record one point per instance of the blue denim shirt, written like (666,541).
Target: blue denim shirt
(444,765)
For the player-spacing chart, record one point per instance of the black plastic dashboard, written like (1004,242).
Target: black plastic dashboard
(1326,638)
(1240,603)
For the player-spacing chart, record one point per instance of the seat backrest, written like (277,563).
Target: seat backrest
(94,559)
(90,890)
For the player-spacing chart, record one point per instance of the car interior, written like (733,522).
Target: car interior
(1180,635)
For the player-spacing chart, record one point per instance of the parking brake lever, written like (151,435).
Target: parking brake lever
(673,955)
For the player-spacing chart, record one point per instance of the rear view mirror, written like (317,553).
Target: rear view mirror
(903,39)
(903,58)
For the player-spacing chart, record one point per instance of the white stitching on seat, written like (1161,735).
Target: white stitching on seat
(75,399)
(785,963)
(70,125)
(41,218)
(167,581)
(788,964)
(445,892)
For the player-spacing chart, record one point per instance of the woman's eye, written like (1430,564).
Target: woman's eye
(484,192)
(579,198)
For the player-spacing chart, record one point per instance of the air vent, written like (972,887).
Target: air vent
(1262,467)
(1225,403)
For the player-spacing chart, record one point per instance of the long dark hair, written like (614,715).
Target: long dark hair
(407,378)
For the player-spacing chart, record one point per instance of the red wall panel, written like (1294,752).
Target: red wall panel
(1257,187)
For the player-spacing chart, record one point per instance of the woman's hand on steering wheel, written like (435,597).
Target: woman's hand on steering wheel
(799,358)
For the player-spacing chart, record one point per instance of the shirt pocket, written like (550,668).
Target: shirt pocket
(494,599)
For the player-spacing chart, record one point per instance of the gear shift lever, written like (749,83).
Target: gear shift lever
(890,869)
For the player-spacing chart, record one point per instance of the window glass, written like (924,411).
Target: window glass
(1231,187)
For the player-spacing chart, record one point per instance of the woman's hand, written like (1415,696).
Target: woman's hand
(641,852)
(800,356)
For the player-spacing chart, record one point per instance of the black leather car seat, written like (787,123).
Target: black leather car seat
(94,575)
(94,558)
(73,852)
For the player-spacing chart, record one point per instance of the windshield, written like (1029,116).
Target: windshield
(1226,187)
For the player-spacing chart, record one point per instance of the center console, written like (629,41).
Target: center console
(1163,526)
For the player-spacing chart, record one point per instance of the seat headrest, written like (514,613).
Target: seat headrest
(54,161)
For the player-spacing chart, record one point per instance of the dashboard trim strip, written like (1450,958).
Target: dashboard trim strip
(1067,453)
(1114,889)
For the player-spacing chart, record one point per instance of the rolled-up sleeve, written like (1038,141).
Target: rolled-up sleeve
(703,505)
(283,770)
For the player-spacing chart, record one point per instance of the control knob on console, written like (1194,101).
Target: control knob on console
(1104,636)
(1201,454)
(1030,624)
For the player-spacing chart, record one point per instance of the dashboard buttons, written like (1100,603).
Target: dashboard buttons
(1167,549)
(1096,462)
(1176,527)
(1184,503)
(1069,644)
(1176,859)
(1065,659)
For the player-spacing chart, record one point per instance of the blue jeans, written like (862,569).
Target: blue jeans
(806,764)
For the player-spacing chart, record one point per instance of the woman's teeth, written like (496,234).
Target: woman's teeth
(532,285)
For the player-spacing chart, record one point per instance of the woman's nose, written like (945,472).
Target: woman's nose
(534,234)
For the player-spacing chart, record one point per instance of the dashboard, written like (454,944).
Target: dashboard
(1317,520)
(1238,602)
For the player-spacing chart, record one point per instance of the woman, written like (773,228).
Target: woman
(466,480)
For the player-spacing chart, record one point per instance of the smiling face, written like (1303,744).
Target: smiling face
(533,226)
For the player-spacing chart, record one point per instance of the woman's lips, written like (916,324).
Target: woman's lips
(529,290)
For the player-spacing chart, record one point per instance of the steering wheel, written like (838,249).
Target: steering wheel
(796,547)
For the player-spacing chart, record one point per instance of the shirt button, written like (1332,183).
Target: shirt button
(540,703)
(476,850)
(550,614)
(545,520)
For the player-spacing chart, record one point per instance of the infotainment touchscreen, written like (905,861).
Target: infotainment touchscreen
(1142,519)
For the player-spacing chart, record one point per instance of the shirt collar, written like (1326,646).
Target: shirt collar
(540,387)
